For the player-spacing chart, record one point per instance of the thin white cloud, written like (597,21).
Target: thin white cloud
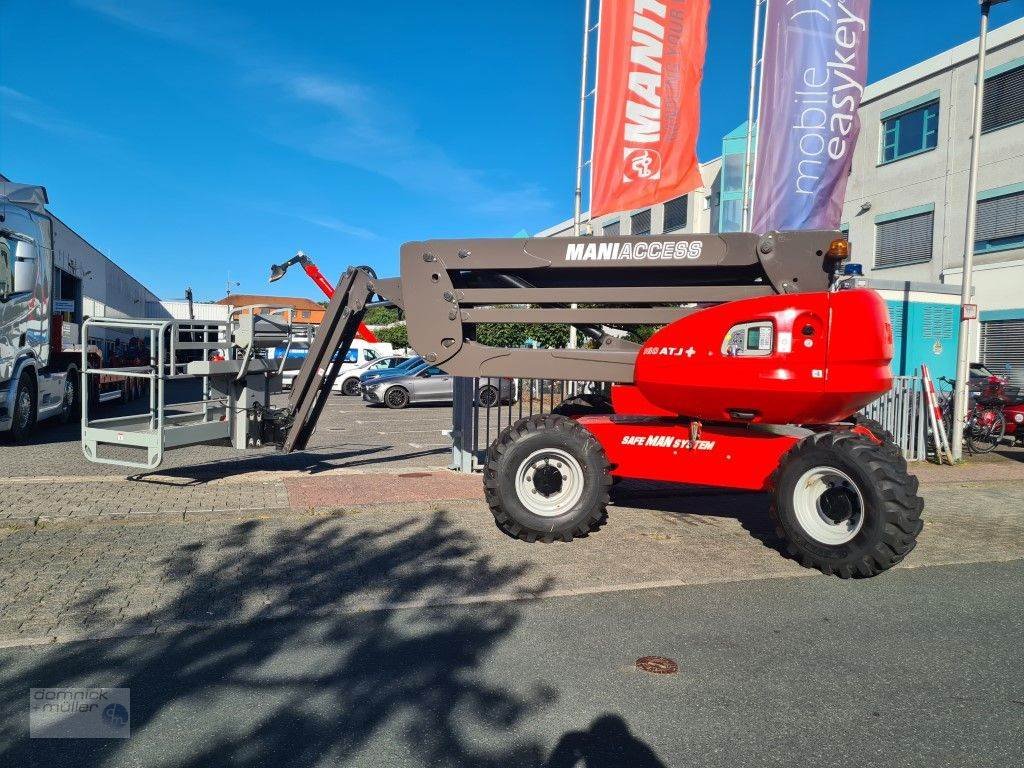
(329,222)
(32,112)
(356,125)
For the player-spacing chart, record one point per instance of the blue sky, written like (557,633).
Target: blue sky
(200,141)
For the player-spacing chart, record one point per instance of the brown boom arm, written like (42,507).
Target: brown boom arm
(448,287)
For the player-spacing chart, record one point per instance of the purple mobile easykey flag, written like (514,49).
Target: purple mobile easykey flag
(815,64)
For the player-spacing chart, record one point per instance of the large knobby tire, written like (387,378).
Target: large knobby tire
(23,420)
(880,433)
(396,397)
(350,387)
(845,504)
(546,479)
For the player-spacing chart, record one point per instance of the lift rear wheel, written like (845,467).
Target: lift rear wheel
(845,504)
(547,478)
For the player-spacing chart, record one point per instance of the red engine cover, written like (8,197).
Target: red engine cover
(796,359)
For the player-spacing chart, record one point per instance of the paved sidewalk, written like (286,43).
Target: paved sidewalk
(145,574)
(34,501)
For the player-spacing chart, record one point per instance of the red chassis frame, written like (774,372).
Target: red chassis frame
(826,356)
(722,455)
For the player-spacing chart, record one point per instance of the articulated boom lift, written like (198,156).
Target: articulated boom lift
(751,384)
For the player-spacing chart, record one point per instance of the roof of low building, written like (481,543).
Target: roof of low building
(248,299)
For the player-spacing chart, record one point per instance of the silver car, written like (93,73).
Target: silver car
(429,384)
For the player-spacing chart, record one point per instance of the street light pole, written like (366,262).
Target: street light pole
(968,311)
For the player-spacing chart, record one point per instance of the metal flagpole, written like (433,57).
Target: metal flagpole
(968,310)
(755,61)
(577,213)
(578,200)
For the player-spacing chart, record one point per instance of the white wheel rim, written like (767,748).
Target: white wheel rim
(548,461)
(810,496)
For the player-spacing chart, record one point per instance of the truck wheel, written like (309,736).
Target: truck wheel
(23,420)
(69,408)
(845,505)
(350,387)
(396,397)
(547,478)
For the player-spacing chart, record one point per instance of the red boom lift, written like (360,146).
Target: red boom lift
(752,384)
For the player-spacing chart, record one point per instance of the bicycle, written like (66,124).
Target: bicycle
(985,422)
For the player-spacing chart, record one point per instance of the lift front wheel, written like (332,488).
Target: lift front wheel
(845,504)
(546,478)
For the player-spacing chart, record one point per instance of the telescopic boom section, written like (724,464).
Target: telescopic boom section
(449,287)
(312,384)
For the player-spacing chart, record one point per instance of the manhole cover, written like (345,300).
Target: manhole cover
(657,665)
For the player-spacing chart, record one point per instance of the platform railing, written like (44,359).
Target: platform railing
(171,343)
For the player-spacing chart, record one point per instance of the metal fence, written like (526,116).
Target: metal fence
(901,411)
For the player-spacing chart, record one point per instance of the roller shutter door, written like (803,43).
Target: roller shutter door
(1002,348)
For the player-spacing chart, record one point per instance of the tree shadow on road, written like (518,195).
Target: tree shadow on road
(290,646)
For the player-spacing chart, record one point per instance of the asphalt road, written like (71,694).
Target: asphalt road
(350,433)
(920,667)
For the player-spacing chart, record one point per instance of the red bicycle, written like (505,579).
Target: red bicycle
(985,422)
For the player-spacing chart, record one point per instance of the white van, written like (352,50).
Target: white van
(359,354)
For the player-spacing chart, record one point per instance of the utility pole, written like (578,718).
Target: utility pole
(577,209)
(969,310)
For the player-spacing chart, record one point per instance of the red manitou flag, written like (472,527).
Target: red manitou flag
(649,68)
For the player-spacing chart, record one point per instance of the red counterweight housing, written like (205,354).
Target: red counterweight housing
(810,358)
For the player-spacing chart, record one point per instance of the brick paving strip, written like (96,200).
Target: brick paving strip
(24,502)
(84,578)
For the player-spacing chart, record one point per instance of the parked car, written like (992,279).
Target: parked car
(429,384)
(398,370)
(347,382)
(360,354)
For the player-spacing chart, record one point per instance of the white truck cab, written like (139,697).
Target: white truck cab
(38,378)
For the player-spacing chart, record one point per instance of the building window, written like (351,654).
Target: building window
(1004,100)
(640,223)
(732,172)
(1000,223)
(910,133)
(903,241)
(611,229)
(675,213)
(732,215)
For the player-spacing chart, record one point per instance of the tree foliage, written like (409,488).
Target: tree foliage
(396,335)
(381,316)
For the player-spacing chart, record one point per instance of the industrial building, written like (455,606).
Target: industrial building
(906,201)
